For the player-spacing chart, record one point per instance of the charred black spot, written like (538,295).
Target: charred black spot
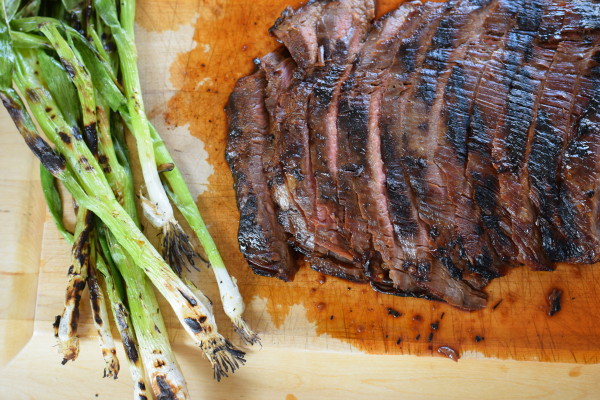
(90,137)
(142,385)
(86,164)
(423,268)
(194,325)
(479,338)
(156,329)
(399,201)
(80,285)
(430,337)
(454,271)
(56,324)
(519,116)
(192,302)
(130,348)
(48,109)
(325,86)
(554,304)
(50,159)
(393,312)
(64,137)
(166,393)
(202,319)
(435,326)
(68,67)
(33,95)
(418,337)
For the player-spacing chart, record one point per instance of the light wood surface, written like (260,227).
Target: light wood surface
(316,332)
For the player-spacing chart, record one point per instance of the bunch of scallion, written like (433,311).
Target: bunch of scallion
(69,80)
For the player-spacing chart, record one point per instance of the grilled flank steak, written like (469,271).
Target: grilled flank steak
(423,152)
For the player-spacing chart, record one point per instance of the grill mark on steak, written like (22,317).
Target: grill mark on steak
(409,229)
(541,129)
(476,199)
(487,116)
(361,103)
(343,32)
(526,66)
(422,135)
(578,203)
(475,255)
(548,143)
(262,240)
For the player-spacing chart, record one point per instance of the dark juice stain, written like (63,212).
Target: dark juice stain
(236,32)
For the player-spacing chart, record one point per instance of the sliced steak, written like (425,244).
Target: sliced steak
(424,151)
(422,139)
(338,29)
(410,231)
(297,30)
(360,111)
(279,69)
(526,64)
(450,114)
(579,172)
(343,29)
(467,152)
(261,238)
(482,101)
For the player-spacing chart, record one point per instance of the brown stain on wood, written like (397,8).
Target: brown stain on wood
(518,328)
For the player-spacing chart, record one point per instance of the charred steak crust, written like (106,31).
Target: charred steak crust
(262,239)
(423,152)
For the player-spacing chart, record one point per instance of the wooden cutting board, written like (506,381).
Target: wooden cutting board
(322,337)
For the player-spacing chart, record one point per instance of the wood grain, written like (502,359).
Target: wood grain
(315,330)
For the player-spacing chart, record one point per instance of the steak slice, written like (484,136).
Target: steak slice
(360,111)
(279,69)
(578,204)
(523,73)
(344,35)
(409,229)
(261,238)
(480,121)
(338,29)
(450,114)
(297,30)
(421,138)
(342,30)
(552,132)
(467,153)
